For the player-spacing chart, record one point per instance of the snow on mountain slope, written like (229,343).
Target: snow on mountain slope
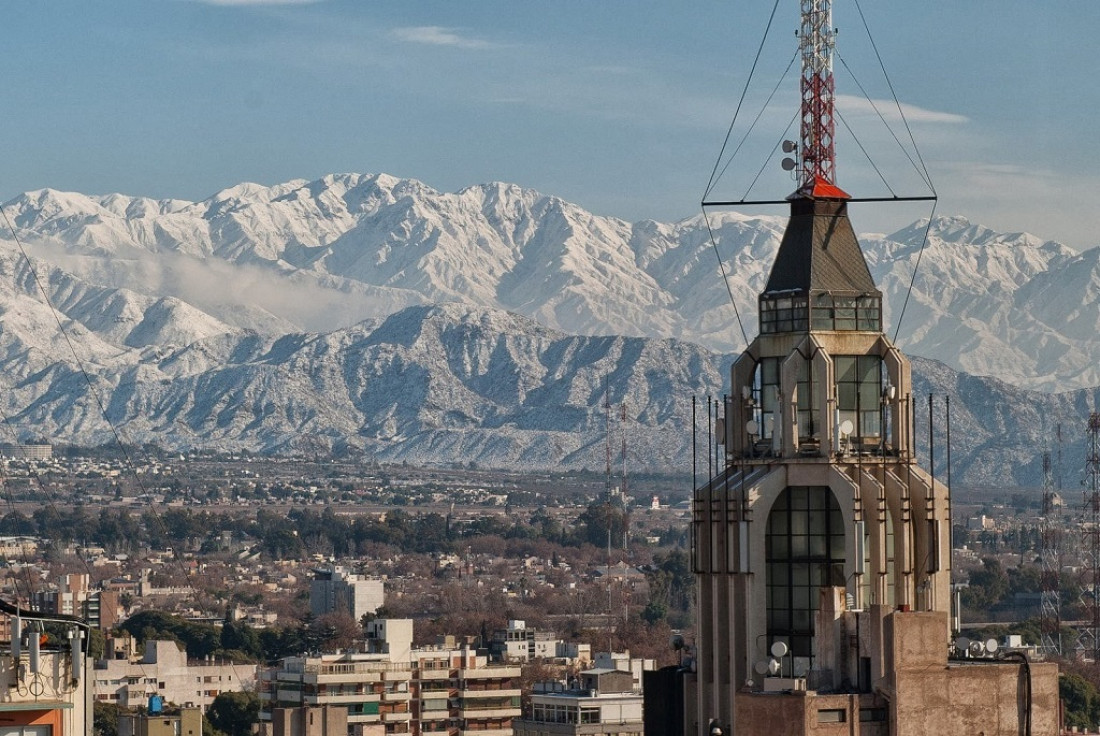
(329,253)
(457,384)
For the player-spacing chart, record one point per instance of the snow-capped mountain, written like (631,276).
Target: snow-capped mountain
(380,314)
(451,383)
(329,253)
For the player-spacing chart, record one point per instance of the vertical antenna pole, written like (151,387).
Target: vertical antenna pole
(1050,604)
(1092,533)
(710,438)
(694,432)
(817,152)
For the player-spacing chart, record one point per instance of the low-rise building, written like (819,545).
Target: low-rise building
(601,702)
(179,722)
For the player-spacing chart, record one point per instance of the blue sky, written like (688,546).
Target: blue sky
(618,106)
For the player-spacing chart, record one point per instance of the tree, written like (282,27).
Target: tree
(1081,699)
(105,718)
(602,517)
(234,713)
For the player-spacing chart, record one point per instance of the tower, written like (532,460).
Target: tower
(821,549)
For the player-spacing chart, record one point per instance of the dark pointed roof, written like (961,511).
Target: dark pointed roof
(820,252)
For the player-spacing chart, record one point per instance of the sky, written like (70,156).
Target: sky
(620,107)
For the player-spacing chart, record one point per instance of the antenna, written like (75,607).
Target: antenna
(817,38)
(1089,640)
(607,434)
(1050,537)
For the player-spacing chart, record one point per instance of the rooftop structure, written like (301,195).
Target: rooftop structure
(601,701)
(44,683)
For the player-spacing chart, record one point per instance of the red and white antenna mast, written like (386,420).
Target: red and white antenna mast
(817,153)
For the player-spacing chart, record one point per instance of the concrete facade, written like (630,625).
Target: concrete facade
(185,722)
(395,688)
(45,691)
(323,720)
(335,590)
(165,670)
(602,702)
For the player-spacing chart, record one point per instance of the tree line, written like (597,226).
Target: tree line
(302,531)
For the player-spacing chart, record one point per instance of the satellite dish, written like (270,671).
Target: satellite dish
(676,641)
(846,427)
(977,648)
(789,146)
(779,649)
(991,645)
(752,427)
(774,666)
(761,667)
(962,644)
(789,164)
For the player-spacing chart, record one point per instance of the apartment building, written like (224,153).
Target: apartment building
(335,590)
(394,688)
(164,670)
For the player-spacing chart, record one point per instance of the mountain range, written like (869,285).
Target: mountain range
(377,313)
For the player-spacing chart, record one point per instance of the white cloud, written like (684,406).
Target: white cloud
(854,105)
(440,36)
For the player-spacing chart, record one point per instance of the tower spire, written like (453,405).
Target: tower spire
(817,150)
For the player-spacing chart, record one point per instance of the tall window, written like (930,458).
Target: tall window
(769,405)
(804,550)
(859,393)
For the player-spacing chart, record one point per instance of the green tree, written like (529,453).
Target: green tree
(1081,700)
(105,718)
(234,713)
(602,517)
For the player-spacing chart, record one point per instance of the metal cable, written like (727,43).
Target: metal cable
(725,279)
(867,28)
(916,268)
(744,91)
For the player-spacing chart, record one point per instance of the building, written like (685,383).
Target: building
(26,451)
(623,662)
(305,720)
(164,670)
(602,701)
(394,688)
(181,722)
(73,597)
(821,549)
(44,688)
(336,590)
(517,643)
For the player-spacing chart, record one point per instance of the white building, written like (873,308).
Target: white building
(336,590)
(602,702)
(165,671)
(393,688)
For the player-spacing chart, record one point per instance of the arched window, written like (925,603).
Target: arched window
(804,551)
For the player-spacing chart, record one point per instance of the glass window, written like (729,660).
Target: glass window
(804,543)
(859,396)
